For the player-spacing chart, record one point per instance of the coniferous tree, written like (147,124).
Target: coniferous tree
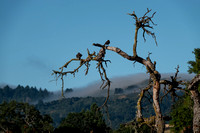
(195,65)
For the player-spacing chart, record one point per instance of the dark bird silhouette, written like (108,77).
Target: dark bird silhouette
(79,55)
(107,42)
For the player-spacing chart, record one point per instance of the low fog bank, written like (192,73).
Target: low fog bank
(132,83)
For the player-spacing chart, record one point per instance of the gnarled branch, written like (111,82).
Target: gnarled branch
(99,58)
(139,117)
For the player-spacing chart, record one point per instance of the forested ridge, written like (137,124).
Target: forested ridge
(121,107)
(23,94)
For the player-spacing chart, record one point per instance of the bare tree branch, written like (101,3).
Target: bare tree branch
(99,58)
(139,108)
(143,22)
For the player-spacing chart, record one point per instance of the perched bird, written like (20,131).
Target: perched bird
(107,42)
(79,55)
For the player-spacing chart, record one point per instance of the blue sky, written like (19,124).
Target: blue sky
(38,36)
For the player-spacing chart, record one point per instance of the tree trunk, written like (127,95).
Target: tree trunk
(193,87)
(196,110)
(159,120)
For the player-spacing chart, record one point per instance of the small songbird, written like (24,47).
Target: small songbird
(107,42)
(79,55)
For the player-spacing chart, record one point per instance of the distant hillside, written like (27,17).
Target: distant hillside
(121,108)
(121,105)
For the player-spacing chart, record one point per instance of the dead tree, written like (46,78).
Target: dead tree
(193,87)
(143,23)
